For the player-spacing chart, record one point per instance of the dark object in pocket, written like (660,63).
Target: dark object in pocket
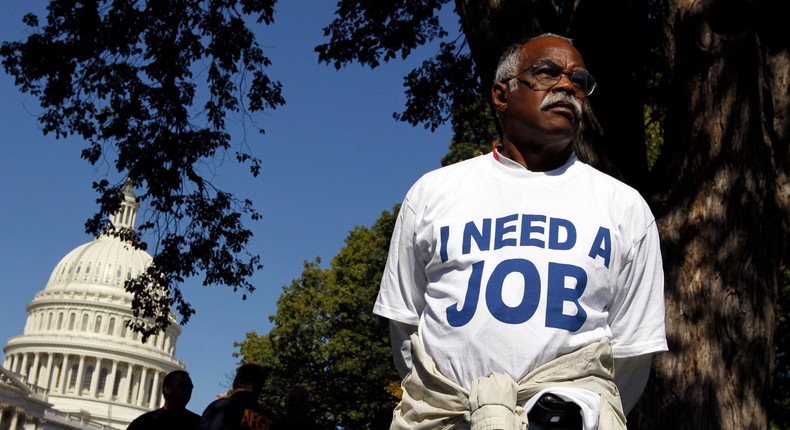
(552,413)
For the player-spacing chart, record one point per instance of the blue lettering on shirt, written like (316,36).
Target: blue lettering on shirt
(566,283)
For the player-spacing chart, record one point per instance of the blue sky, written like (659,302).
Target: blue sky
(333,158)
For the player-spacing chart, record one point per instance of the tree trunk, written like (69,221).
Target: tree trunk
(612,36)
(492,25)
(722,209)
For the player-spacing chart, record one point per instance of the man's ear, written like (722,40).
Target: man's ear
(499,94)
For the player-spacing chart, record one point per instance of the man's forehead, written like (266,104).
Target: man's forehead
(551,48)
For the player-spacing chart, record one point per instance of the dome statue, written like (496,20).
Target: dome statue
(76,344)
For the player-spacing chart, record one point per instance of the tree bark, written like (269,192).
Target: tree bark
(721,202)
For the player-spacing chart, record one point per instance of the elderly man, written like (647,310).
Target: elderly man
(524,280)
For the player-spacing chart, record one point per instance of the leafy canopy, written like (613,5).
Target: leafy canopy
(369,33)
(326,338)
(148,86)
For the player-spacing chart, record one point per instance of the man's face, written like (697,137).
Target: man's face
(180,391)
(539,110)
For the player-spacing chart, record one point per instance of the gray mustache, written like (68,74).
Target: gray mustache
(561,97)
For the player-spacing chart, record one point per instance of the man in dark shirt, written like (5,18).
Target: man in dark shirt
(240,410)
(177,390)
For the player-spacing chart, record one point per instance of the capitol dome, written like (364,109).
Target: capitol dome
(105,262)
(76,344)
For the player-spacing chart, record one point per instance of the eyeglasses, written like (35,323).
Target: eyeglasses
(545,74)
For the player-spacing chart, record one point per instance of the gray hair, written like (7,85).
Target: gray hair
(507,68)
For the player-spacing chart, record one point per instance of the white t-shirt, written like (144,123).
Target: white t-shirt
(503,269)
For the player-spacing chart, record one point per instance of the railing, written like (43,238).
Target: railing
(71,419)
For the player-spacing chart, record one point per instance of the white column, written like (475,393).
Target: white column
(23,369)
(11,359)
(14,417)
(127,386)
(95,378)
(48,371)
(153,399)
(109,384)
(141,389)
(64,369)
(80,375)
(32,377)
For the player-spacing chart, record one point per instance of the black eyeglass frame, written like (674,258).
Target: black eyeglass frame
(550,80)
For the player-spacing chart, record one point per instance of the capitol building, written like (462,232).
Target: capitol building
(77,365)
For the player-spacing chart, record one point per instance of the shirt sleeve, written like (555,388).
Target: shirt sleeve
(401,293)
(213,418)
(637,313)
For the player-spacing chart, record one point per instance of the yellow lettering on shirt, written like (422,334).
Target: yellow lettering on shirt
(255,421)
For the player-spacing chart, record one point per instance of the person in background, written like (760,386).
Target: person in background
(524,286)
(297,411)
(173,415)
(239,410)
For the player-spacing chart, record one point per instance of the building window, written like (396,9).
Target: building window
(84,325)
(86,381)
(111,327)
(56,376)
(117,384)
(150,388)
(72,317)
(102,380)
(97,325)
(73,377)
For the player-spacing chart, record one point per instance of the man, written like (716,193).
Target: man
(173,415)
(240,410)
(297,411)
(524,272)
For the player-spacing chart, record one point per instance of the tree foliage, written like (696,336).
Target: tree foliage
(474,132)
(124,75)
(369,32)
(326,338)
